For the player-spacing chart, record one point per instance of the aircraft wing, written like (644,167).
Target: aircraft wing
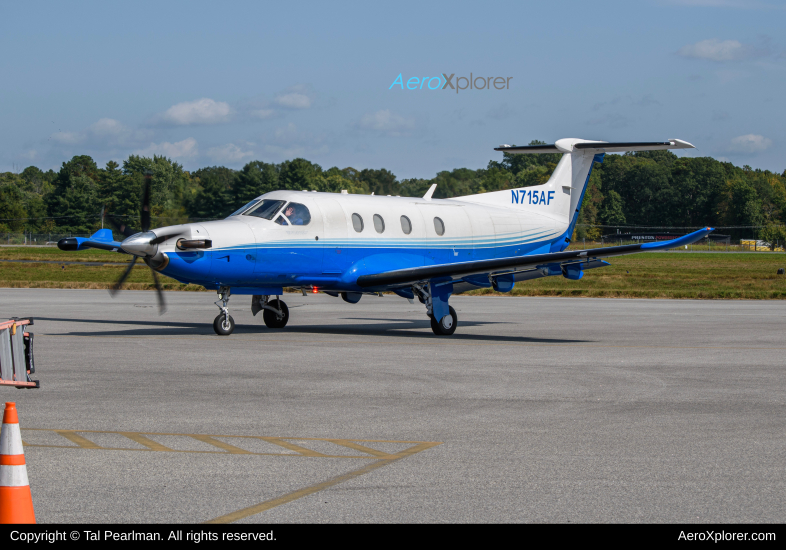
(402,277)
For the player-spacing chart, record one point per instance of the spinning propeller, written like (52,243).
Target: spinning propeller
(140,244)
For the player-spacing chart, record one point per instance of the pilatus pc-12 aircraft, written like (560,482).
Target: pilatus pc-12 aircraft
(350,245)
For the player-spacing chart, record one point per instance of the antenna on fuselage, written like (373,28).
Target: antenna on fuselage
(430,192)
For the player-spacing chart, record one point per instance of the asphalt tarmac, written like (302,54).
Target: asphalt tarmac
(536,410)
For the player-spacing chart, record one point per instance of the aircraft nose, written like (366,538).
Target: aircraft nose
(139,244)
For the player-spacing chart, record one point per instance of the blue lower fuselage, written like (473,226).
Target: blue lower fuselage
(326,266)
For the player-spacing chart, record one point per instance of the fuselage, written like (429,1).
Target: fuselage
(332,239)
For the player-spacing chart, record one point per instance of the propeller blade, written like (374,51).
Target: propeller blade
(160,293)
(145,213)
(123,277)
(120,226)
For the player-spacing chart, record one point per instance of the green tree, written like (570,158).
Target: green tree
(611,209)
(589,211)
(12,209)
(120,194)
(213,200)
(255,179)
(380,182)
(170,185)
(298,174)
(74,200)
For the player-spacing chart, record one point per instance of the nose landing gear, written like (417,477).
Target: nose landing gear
(224,324)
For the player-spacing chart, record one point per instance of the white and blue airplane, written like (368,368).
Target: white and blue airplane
(350,245)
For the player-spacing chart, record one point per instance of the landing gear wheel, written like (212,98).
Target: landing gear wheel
(447,326)
(272,319)
(224,325)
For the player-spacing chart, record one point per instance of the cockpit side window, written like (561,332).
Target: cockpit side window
(297,214)
(266,209)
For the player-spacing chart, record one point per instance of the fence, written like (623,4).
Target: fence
(36,239)
(725,244)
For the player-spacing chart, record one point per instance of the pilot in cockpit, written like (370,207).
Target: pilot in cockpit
(293,216)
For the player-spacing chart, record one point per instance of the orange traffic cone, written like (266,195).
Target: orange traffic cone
(16,502)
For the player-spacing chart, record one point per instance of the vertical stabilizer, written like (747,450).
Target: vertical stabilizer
(560,197)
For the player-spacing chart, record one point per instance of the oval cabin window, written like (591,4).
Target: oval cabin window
(406,225)
(439,227)
(357,222)
(379,223)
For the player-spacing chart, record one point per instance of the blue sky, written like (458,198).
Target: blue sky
(210,83)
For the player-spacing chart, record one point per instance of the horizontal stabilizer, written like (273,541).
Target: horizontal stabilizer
(570,145)
(101,239)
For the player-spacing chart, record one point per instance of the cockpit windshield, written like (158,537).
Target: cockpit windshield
(266,209)
(243,208)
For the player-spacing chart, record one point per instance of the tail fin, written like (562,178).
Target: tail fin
(560,197)
(102,235)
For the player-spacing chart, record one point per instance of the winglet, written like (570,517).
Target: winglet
(430,192)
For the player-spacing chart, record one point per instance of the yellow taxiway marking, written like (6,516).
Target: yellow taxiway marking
(300,493)
(80,440)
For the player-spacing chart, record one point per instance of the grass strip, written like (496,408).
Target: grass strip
(647,275)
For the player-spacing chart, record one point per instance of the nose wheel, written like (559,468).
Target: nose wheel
(224,324)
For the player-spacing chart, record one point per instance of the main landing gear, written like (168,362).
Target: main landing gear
(275,313)
(447,325)
(435,297)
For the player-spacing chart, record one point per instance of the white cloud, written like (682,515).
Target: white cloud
(718,50)
(107,127)
(262,113)
(294,100)
(289,142)
(750,143)
(387,122)
(180,149)
(67,138)
(201,111)
(287,134)
(228,153)
(298,96)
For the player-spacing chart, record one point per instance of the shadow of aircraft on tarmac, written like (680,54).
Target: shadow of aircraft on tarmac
(397,328)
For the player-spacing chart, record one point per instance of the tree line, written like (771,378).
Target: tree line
(652,189)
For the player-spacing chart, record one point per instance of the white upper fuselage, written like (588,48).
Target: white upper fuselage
(466,225)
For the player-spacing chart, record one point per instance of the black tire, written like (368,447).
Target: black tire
(450,319)
(271,318)
(222,327)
